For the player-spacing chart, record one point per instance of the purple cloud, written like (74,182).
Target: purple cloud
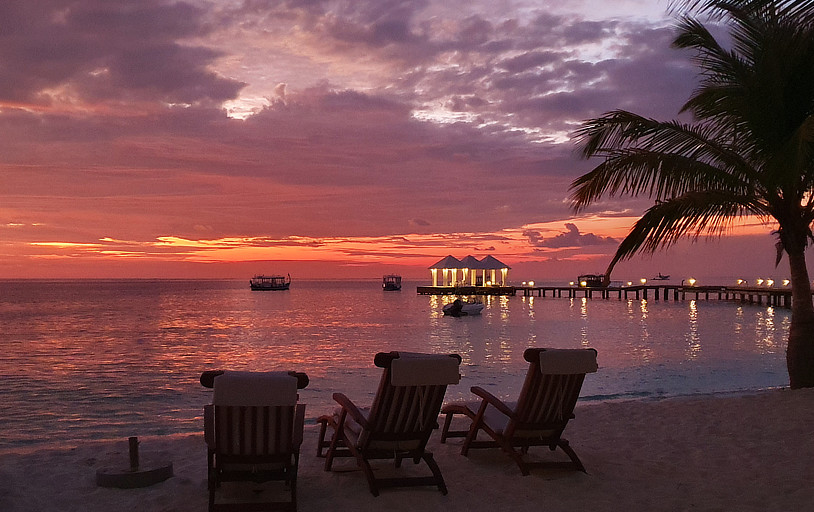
(571,238)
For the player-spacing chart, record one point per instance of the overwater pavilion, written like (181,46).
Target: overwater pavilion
(469,272)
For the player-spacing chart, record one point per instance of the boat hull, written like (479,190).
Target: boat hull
(466,309)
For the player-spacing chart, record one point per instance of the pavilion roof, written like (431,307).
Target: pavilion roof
(448,262)
(487,263)
(470,262)
(490,262)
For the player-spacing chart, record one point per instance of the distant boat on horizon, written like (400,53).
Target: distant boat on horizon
(661,277)
(276,282)
(391,282)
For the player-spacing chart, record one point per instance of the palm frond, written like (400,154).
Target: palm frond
(692,215)
(662,160)
(803,10)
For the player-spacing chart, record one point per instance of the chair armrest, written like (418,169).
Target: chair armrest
(492,400)
(351,408)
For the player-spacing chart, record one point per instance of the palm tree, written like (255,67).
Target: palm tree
(748,152)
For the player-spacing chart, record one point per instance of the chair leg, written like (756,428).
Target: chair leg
(436,472)
(566,447)
(371,478)
(445,430)
(321,439)
(516,456)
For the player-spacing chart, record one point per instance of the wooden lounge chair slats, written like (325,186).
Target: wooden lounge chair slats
(398,424)
(249,440)
(538,418)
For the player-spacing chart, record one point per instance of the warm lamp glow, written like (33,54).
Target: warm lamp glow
(583,283)
(630,283)
(643,280)
(691,281)
(570,283)
(770,282)
(786,282)
(531,283)
(759,281)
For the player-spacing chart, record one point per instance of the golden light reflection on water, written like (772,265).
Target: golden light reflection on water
(92,352)
(692,337)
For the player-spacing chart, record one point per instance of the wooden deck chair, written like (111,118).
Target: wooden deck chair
(253,432)
(399,422)
(538,418)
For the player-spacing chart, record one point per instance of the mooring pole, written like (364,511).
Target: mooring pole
(134,453)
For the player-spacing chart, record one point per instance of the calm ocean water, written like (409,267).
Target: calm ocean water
(92,359)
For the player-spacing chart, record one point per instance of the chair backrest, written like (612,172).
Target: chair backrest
(410,394)
(253,414)
(551,388)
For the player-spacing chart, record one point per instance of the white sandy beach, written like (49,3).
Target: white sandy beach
(752,452)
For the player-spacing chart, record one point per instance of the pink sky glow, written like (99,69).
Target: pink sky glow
(223,138)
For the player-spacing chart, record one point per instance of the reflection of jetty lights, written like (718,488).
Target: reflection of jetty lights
(643,280)
(759,281)
(583,283)
(786,282)
(770,282)
(691,281)
(531,283)
(488,283)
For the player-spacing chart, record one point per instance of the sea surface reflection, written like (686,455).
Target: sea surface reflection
(100,359)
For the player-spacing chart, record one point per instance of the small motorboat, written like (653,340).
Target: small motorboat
(461,308)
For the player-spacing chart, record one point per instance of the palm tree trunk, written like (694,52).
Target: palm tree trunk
(800,351)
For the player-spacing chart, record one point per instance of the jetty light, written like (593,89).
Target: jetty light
(643,280)
(770,282)
(740,282)
(531,283)
(759,281)
(583,283)
(630,283)
(786,282)
(691,281)
(570,283)
(524,283)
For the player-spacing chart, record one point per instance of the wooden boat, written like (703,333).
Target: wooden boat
(275,282)
(391,282)
(591,281)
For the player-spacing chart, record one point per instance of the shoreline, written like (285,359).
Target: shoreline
(312,415)
(749,451)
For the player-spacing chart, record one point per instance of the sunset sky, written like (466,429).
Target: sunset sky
(223,138)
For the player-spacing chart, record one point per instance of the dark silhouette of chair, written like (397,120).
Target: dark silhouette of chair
(541,413)
(399,422)
(253,432)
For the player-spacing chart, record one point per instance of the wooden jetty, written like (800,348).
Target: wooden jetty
(780,297)
(467,290)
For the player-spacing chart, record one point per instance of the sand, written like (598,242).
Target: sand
(750,452)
